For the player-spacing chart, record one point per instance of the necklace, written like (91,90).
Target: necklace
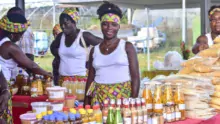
(107,46)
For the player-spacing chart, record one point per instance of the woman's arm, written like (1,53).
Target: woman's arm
(24,61)
(91,39)
(90,78)
(4,93)
(54,47)
(134,69)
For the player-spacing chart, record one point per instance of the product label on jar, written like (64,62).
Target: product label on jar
(149,106)
(32,122)
(33,89)
(178,115)
(158,106)
(169,117)
(79,91)
(56,94)
(149,121)
(26,88)
(145,119)
(127,120)
(181,106)
(140,119)
(57,107)
(104,119)
(155,121)
(38,110)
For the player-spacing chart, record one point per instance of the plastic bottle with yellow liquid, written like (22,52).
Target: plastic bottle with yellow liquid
(147,94)
(179,100)
(157,100)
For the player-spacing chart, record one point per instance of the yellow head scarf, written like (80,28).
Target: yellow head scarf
(110,17)
(73,13)
(9,26)
(213,11)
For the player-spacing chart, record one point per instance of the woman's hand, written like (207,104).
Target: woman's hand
(4,97)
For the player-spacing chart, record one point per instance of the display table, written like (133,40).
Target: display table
(22,104)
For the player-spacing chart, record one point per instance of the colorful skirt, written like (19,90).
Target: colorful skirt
(101,92)
(7,114)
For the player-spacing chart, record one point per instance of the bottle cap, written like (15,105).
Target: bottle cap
(59,118)
(43,113)
(46,117)
(39,116)
(95,107)
(72,110)
(87,107)
(78,115)
(49,112)
(72,116)
(82,112)
(65,109)
(51,118)
(90,111)
(80,106)
(65,118)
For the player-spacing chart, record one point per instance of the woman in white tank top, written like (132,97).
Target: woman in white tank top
(114,71)
(70,49)
(12,28)
(207,40)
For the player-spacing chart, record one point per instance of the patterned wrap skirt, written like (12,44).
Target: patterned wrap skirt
(101,92)
(7,114)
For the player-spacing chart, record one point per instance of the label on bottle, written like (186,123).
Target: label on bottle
(173,115)
(169,117)
(158,106)
(134,120)
(145,119)
(127,120)
(182,106)
(149,121)
(33,89)
(104,119)
(155,120)
(92,122)
(140,119)
(56,94)
(26,88)
(164,115)
(178,115)
(70,91)
(149,106)
(80,91)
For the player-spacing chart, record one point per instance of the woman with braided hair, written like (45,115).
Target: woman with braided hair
(114,71)
(12,28)
(205,41)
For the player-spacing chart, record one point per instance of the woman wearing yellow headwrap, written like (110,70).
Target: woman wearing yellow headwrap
(12,28)
(205,41)
(114,71)
(71,47)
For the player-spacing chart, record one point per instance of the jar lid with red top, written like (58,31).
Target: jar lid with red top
(65,109)
(71,97)
(80,106)
(87,107)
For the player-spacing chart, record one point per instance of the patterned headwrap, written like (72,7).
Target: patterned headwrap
(73,13)
(110,17)
(9,26)
(57,28)
(213,11)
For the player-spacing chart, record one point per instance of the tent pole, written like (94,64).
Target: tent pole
(129,15)
(148,40)
(184,20)
(54,13)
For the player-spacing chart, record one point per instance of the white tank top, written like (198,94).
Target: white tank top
(112,68)
(73,58)
(8,65)
(210,41)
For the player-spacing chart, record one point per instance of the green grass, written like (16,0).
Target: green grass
(157,54)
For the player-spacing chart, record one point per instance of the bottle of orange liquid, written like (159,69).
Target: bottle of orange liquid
(168,95)
(148,97)
(179,100)
(157,100)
